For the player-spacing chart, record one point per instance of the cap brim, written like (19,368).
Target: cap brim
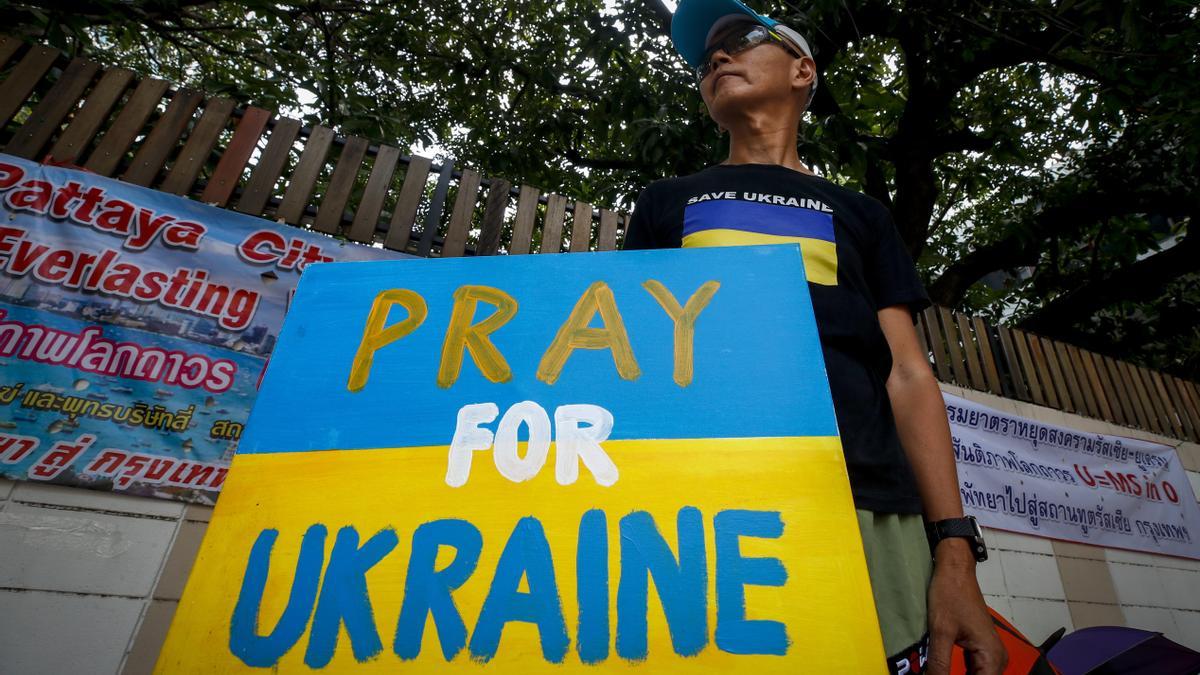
(694,19)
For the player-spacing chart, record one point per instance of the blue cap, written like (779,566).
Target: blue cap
(694,20)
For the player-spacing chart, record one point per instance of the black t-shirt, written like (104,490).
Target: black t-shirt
(856,264)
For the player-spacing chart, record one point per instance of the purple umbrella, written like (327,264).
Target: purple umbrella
(1114,650)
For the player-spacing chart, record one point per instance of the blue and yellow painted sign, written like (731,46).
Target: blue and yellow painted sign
(539,464)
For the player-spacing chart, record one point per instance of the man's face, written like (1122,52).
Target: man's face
(759,75)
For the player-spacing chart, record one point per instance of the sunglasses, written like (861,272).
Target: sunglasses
(739,41)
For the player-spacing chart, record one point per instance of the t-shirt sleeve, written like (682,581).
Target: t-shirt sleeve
(642,230)
(890,271)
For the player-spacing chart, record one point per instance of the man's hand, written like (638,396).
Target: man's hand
(958,614)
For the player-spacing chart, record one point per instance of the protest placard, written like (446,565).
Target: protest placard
(539,464)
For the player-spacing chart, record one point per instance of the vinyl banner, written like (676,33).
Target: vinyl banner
(539,464)
(134,327)
(1026,476)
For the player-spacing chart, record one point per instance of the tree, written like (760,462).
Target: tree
(1038,157)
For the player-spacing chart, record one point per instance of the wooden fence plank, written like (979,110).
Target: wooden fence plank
(19,84)
(988,356)
(119,137)
(437,203)
(366,216)
(1155,408)
(1162,404)
(1170,411)
(235,156)
(304,177)
(1056,353)
(919,327)
(87,120)
(1012,365)
(52,109)
(607,239)
(1131,392)
(1126,396)
(971,350)
(158,144)
(341,183)
(1192,399)
(1143,396)
(552,226)
(522,236)
(1074,365)
(1179,403)
(1111,393)
(1092,378)
(1058,377)
(1033,378)
(462,215)
(492,226)
(1191,432)
(8,47)
(1191,402)
(1045,374)
(1097,384)
(270,165)
(1120,393)
(950,331)
(581,228)
(405,214)
(930,319)
(199,146)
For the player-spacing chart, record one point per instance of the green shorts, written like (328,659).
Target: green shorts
(900,566)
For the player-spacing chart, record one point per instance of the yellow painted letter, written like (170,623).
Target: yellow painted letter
(685,322)
(375,336)
(461,334)
(575,334)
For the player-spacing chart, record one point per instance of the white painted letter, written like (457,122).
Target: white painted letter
(574,443)
(469,437)
(508,459)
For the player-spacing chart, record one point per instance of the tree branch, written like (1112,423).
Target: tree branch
(1141,280)
(1026,240)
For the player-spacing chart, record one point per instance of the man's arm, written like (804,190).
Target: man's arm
(957,613)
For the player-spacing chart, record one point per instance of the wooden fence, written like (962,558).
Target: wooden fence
(1008,362)
(111,123)
(247,159)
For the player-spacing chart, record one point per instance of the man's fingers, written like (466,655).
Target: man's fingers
(940,644)
(988,659)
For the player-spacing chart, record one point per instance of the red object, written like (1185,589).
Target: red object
(1024,657)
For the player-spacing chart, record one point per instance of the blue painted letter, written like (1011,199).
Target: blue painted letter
(427,591)
(244,641)
(527,554)
(591,587)
(735,633)
(344,598)
(682,587)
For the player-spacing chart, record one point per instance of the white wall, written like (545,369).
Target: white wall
(82,573)
(89,580)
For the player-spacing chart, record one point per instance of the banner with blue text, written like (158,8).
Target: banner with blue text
(134,328)
(539,464)
(1027,476)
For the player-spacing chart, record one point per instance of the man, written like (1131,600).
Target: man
(757,78)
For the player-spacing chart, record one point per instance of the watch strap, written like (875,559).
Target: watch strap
(965,528)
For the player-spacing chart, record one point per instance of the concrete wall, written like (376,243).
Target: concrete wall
(89,581)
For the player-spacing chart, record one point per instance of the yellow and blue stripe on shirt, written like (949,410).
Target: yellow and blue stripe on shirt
(731,222)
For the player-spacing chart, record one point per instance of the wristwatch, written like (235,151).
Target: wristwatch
(967,528)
